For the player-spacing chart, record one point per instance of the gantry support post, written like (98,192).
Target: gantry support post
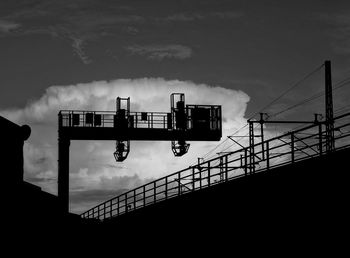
(63,172)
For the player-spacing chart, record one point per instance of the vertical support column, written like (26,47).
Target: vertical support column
(193,179)
(179,185)
(267,155)
(134,199)
(245,161)
(262,135)
(166,188)
(221,167)
(292,146)
(226,168)
(155,192)
(118,206)
(251,148)
(209,173)
(320,139)
(144,195)
(329,108)
(63,172)
(104,210)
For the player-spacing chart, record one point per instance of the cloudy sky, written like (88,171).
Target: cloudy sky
(82,54)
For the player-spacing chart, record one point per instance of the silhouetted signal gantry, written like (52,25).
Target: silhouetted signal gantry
(183,123)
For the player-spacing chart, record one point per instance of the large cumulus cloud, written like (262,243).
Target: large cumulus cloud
(92,165)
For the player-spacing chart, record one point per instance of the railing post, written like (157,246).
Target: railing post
(208,173)
(98,212)
(193,179)
(134,198)
(126,203)
(292,145)
(200,179)
(320,138)
(154,191)
(166,188)
(144,195)
(267,155)
(245,161)
(226,168)
(221,167)
(118,206)
(151,120)
(104,210)
(111,209)
(179,184)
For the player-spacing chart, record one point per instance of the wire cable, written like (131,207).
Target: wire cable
(316,96)
(295,85)
(289,89)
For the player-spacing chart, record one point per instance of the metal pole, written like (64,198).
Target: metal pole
(179,183)
(193,179)
(320,139)
(329,108)
(292,145)
(144,196)
(267,155)
(208,173)
(251,148)
(245,161)
(166,188)
(155,191)
(262,134)
(226,168)
(63,172)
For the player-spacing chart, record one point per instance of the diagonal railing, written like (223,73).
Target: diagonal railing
(297,145)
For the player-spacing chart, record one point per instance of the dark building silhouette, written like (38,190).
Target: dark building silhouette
(12,140)
(26,209)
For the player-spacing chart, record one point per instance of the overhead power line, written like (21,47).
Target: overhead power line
(295,85)
(289,89)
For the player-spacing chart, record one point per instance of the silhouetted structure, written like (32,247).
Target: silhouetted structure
(289,191)
(286,149)
(11,151)
(183,123)
(25,207)
(295,197)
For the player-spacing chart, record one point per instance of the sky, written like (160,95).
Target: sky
(83,54)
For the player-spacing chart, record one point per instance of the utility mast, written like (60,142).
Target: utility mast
(329,108)
(328,123)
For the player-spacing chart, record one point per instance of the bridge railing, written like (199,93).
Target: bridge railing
(288,148)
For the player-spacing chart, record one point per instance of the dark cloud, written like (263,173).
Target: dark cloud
(8,26)
(160,52)
(341,34)
(80,22)
(196,16)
